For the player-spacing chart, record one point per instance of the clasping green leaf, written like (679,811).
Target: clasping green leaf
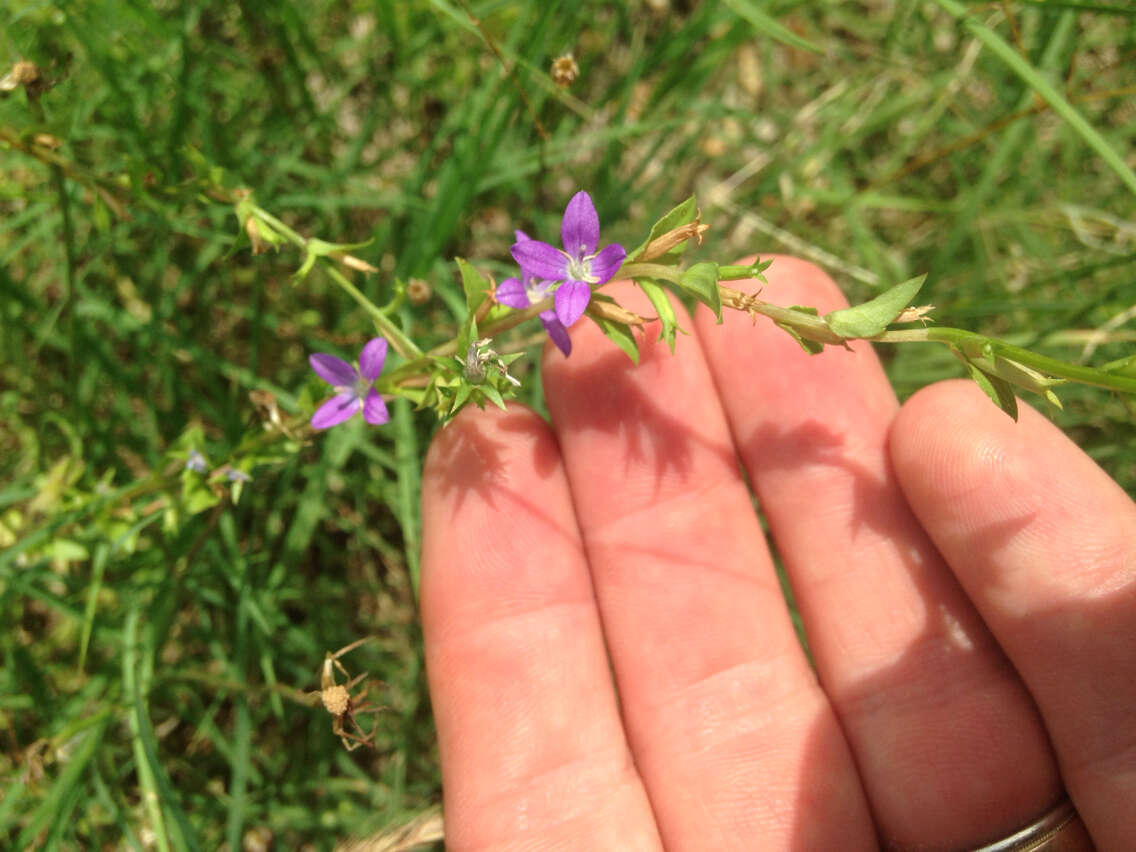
(872,317)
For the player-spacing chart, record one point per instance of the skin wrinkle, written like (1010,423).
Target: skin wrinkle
(586,782)
(692,507)
(763,582)
(450,635)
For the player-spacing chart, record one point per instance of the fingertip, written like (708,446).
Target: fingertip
(964,463)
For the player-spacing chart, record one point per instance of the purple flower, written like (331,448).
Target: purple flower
(354,389)
(196,462)
(525,291)
(579,266)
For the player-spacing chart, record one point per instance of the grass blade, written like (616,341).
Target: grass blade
(1046,90)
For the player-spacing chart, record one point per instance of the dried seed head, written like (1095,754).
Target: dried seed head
(23,73)
(336,699)
(564,70)
(915,313)
(418,292)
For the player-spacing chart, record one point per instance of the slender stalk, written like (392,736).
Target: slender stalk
(1051,366)
(402,344)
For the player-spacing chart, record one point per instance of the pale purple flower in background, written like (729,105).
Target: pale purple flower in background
(354,389)
(522,292)
(196,462)
(579,266)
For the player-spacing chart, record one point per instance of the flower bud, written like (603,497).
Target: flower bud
(615,313)
(662,244)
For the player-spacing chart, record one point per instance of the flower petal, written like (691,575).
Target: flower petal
(337,409)
(372,357)
(334,371)
(571,300)
(511,292)
(556,332)
(521,236)
(374,409)
(607,263)
(540,260)
(580,227)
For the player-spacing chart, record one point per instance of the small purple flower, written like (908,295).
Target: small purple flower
(522,292)
(196,462)
(354,388)
(579,266)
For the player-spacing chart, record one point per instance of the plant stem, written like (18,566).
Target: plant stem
(1051,366)
(402,344)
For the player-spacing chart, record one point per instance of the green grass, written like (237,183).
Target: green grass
(157,645)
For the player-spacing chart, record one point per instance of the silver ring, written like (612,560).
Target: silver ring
(1060,829)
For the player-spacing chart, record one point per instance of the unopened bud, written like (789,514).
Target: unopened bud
(611,311)
(353,262)
(253,231)
(662,244)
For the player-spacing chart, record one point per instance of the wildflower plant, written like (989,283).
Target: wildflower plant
(191,514)
(559,286)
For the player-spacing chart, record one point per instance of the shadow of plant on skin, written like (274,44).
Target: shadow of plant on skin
(470,456)
(607,395)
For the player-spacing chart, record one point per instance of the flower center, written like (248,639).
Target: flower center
(536,290)
(360,388)
(580,269)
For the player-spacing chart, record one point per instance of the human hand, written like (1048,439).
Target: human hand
(967,585)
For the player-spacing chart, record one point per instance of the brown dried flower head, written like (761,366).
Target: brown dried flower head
(418,292)
(564,70)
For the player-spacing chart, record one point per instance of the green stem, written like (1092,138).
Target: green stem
(650,270)
(1051,366)
(414,368)
(402,344)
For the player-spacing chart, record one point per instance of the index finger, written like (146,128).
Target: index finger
(533,752)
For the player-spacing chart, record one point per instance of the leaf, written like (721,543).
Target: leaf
(475,285)
(872,317)
(998,389)
(467,334)
(677,216)
(1125,366)
(493,395)
(663,308)
(461,398)
(620,335)
(764,23)
(812,347)
(701,282)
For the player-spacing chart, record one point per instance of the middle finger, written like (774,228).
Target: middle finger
(736,744)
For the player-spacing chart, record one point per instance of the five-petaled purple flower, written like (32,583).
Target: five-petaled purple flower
(525,291)
(573,271)
(354,388)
